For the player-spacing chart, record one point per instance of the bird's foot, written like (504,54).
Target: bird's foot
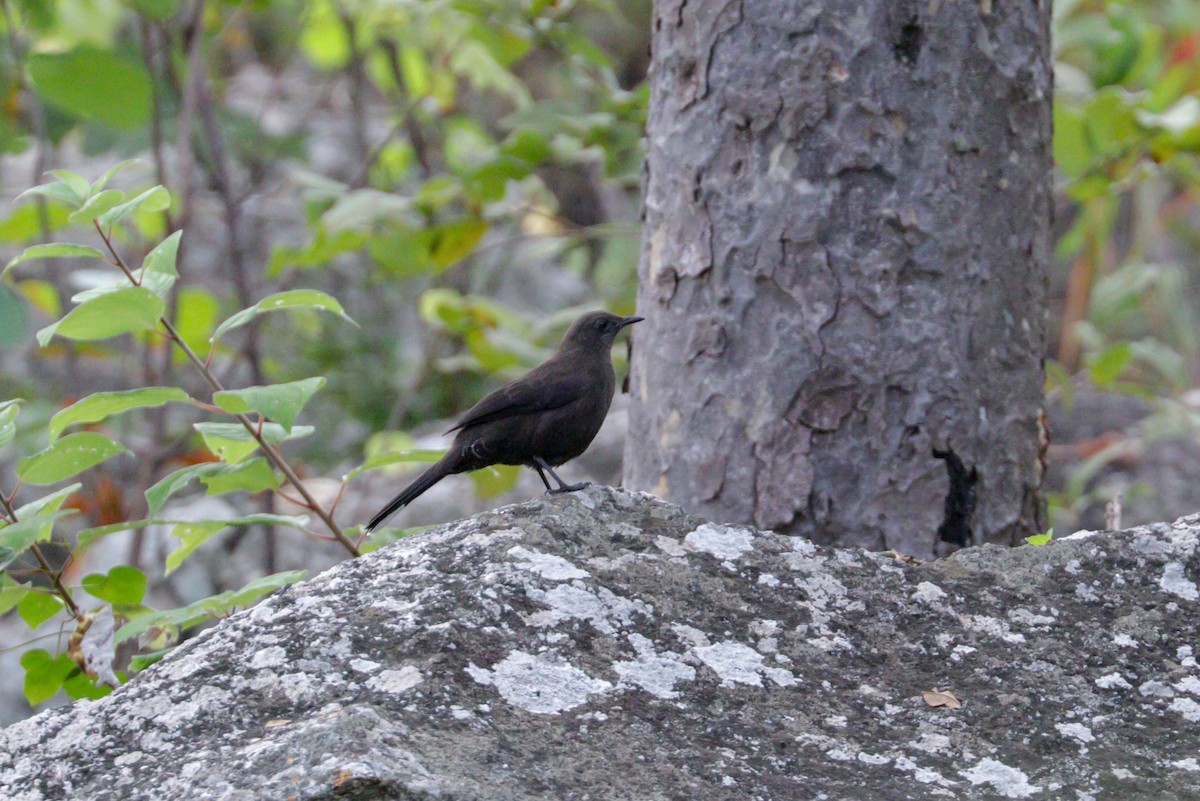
(569,488)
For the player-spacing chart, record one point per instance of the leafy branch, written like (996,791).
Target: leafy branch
(254,428)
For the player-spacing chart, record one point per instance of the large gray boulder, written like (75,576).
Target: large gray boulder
(605,645)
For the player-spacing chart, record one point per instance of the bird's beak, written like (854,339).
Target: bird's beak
(631,321)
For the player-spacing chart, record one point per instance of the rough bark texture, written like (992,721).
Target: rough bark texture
(605,646)
(847,211)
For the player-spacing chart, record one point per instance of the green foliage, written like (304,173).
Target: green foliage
(1127,149)
(1040,539)
(102,405)
(9,410)
(11,592)
(483,103)
(55,250)
(206,609)
(38,607)
(232,443)
(387,459)
(121,311)
(281,402)
(44,674)
(94,84)
(293,300)
(121,585)
(68,457)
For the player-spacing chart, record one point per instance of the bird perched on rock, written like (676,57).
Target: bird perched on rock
(542,420)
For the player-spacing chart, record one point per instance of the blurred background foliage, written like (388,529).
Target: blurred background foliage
(463,175)
(1127,263)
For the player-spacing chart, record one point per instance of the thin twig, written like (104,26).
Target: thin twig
(20,645)
(293,501)
(338,498)
(55,578)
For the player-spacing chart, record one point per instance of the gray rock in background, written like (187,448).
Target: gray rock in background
(1149,450)
(605,645)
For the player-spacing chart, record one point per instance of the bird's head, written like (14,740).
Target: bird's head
(596,330)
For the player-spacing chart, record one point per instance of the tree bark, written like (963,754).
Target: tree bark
(843,270)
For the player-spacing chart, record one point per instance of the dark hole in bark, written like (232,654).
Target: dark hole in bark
(908,44)
(960,500)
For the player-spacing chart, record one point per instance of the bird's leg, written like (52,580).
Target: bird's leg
(541,465)
(542,476)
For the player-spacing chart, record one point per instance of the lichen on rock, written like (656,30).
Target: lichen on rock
(606,645)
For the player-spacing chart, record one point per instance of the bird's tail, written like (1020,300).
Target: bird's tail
(436,472)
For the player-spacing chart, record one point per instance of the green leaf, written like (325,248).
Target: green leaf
(385,536)
(472,60)
(265,585)
(1040,539)
(528,145)
(456,241)
(395,457)
(123,311)
(67,457)
(88,536)
(95,84)
(16,538)
(48,503)
(81,685)
(103,405)
(209,608)
(111,173)
(1107,366)
(44,674)
(493,481)
(42,295)
(54,250)
(139,662)
(76,182)
(11,592)
(279,402)
(162,258)
(38,607)
(96,205)
(157,495)
(154,199)
(195,318)
(55,191)
(191,536)
(122,585)
(232,443)
(9,410)
(14,318)
(255,475)
(161,10)
(1072,152)
(284,301)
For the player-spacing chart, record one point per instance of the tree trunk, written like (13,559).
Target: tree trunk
(844,268)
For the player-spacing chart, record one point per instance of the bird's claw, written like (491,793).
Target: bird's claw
(569,488)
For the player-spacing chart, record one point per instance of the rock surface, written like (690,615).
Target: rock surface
(605,645)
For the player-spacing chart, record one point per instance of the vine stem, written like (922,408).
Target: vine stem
(253,428)
(55,578)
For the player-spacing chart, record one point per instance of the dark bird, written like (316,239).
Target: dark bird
(542,420)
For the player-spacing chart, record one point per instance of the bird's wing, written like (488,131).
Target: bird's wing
(537,392)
